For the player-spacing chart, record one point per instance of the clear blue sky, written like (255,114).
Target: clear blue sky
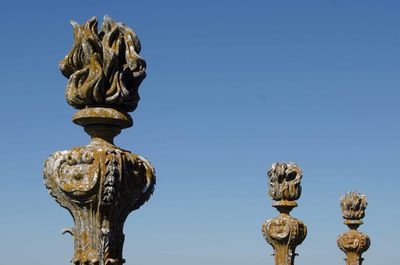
(232,86)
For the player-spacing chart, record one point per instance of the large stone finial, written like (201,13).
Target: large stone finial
(101,184)
(104,68)
(284,183)
(353,242)
(284,232)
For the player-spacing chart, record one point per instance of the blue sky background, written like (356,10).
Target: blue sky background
(232,87)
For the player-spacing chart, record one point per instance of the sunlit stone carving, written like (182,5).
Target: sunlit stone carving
(353,242)
(104,68)
(100,183)
(284,233)
(284,182)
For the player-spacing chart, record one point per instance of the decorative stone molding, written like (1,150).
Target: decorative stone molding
(284,233)
(353,242)
(100,184)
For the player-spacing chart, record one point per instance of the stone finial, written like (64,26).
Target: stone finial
(99,183)
(104,68)
(284,183)
(284,232)
(353,242)
(353,206)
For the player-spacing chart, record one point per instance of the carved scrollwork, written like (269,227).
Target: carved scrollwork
(284,229)
(353,241)
(276,229)
(77,172)
(100,186)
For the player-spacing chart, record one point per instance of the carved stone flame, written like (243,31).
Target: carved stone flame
(104,68)
(284,182)
(353,206)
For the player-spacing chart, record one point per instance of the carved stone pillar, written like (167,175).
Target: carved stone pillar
(353,242)
(284,232)
(100,183)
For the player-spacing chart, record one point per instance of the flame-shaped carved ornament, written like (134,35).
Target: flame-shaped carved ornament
(284,182)
(353,205)
(104,68)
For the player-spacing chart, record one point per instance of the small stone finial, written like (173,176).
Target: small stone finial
(284,233)
(353,206)
(353,242)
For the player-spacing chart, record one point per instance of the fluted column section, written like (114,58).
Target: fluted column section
(353,242)
(284,233)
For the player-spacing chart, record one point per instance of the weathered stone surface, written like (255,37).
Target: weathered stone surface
(100,183)
(106,116)
(104,68)
(284,233)
(353,242)
(353,206)
(284,182)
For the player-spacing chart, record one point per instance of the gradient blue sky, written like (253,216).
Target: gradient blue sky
(232,86)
